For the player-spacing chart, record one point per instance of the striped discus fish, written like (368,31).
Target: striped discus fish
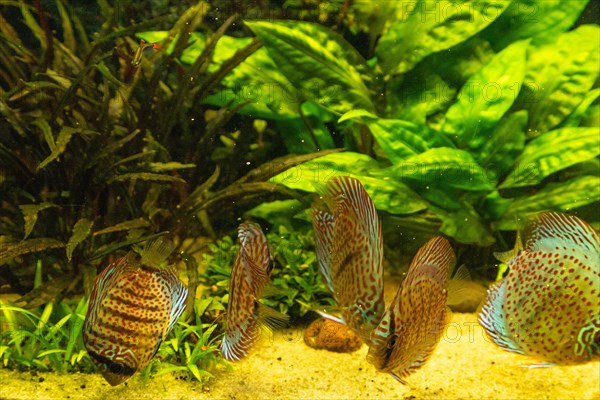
(133,306)
(413,323)
(249,276)
(349,249)
(548,306)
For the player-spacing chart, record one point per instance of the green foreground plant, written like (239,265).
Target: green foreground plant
(51,340)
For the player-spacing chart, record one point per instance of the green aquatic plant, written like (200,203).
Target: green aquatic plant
(101,149)
(462,123)
(297,286)
(50,339)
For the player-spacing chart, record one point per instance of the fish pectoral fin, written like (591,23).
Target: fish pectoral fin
(269,317)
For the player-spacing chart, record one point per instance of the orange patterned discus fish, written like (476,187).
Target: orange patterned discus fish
(414,322)
(133,306)
(349,249)
(548,306)
(249,276)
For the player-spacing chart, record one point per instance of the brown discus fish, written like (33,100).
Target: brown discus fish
(414,322)
(249,276)
(133,306)
(349,249)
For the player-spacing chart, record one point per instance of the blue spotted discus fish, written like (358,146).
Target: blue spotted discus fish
(414,322)
(349,249)
(250,275)
(548,306)
(133,306)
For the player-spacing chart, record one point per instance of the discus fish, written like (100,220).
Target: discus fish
(413,323)
(349,249)
(133,306)
(249,276)
(548,306)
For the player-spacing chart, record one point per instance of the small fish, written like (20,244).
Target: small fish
(133,306)
(349,249)
(413,323)
(548,305)
(137,56)
(250,276)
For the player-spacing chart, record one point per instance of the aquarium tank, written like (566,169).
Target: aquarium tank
(299,199)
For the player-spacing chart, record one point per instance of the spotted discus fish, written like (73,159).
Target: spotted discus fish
(133,306)
(548,306)
(249,276)
(414,322)
(349,249)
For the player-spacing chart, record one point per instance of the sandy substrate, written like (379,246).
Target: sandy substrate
(465,365)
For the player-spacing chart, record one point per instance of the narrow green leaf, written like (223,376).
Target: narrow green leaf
(169,166)
(485,98)
(68,35)
(8,251)
(425,27)
(148,176)
(562,196)
(30,214)
(559,76)
(552,152)
(64,136)
(541,20)
(124,226)
(319,63)
(46,131)
(81,230)
(443,166)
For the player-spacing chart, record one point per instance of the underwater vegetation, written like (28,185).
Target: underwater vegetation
(136,126)
(548,306)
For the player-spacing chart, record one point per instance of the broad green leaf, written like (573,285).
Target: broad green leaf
(8,251)
(147,176)
(464,225)
(64,136)
(30,214)
(398,139)
(541,20)
(505,143)
(124,226)
(445,167)
(552,152)
(562,196)
(81,230)
(388,194)
(559,76)
(578,115)
(424,27)
(320,64)
(485,98)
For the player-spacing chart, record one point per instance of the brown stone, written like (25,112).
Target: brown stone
(330,335)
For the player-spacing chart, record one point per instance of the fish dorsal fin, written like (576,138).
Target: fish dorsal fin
(323,226)
(506,256)
(551,231)
(156,252)
(255,255)
(437,254)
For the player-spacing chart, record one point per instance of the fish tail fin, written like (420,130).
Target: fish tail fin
(271,318)
(157,251)
(506,256)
